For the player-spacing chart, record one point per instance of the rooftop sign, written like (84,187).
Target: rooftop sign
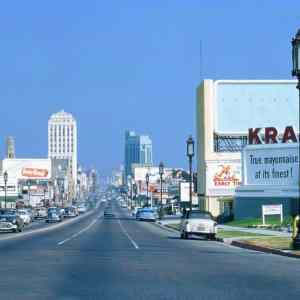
(270,135)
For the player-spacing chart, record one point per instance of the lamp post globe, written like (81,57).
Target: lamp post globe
(161,168)
(296,55)
(190,147)
(190,152)
(147,184)
(296,73)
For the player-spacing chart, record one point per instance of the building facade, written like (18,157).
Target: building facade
(62,142)
(10,147)
(138,150)
(225,111)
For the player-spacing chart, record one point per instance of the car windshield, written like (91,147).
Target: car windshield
(6,218)
(200,215)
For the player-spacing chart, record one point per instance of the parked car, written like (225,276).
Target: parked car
(147,214)
(71,211)
(81,208)
(31,213)
(41,213)
(24,214)
(11,222)
(54,215)
(198,223)
(135,210)
(137,214)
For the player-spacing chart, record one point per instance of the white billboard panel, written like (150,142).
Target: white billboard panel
(140,174)
(37,169)
(271,164)
(222,177)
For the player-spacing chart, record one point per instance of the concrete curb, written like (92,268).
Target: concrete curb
(263,249)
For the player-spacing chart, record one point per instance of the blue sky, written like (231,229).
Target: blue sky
(119,65)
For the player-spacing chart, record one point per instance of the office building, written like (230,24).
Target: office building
(10,147)
(62,142)
(138,150)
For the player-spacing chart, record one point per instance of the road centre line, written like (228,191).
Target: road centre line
(135,245)
(79,232)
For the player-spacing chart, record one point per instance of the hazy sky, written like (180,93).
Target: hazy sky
(119,65)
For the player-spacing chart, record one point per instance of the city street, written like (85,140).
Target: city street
(120,258)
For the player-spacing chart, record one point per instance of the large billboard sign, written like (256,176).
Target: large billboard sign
(273,164)
(222,178)
(36,169)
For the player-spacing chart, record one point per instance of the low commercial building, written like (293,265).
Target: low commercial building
(225,111)
(31,176)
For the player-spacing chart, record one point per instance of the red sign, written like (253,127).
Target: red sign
(34,173)
(226,177)
(271,135)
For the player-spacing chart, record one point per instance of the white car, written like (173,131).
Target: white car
(198,223)
(23,214)
(147,214)
(81,208)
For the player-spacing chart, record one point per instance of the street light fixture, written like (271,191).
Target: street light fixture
(190,152)
(161,173)
(296,73)
(147,183)
(45,196)
(5,176)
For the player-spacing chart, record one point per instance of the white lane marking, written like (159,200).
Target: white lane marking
(79,232)
(135,245)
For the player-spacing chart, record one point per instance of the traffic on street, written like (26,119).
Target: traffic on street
(122,258)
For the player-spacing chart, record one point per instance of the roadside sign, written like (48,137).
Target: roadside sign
(274,209)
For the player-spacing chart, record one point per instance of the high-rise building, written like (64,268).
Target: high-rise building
(145,150)
(62,141)
(10,147)
(138,150)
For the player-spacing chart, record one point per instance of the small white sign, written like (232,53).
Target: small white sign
(275,209)
(185,191)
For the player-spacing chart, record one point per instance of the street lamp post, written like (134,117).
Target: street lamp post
(5,175)
(28,186)
(147,183)
(190,152)
(161,173)
(45,196)
(296,73)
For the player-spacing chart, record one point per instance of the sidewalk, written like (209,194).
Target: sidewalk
(256,230)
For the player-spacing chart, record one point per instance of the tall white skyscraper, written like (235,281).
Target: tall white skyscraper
(62,140)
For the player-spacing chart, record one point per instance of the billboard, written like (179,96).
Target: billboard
(222,177)
(140,172)
(36,169)
(271,164)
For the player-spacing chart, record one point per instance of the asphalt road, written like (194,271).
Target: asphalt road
(120,258)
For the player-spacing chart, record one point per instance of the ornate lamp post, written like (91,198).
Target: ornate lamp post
(190,152)
(161,173)
(5,175)
(296,73)
(147,183)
